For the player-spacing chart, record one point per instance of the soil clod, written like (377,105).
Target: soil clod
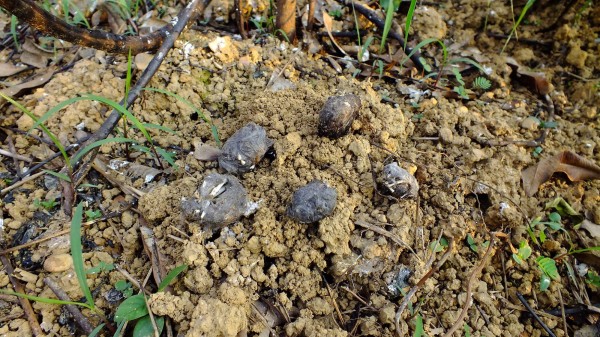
(312,202)
(244,149)
(222,200)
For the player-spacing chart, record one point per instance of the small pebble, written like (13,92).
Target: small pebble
(244,149)
(312,202)
(58,263)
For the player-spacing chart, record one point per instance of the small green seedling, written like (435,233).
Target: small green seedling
(592,278)
(419,329)
(135,308)
(124,287)
(101,267)
(336,13)
(481,83)
(537,151)
(549,271)
(438,246)
(91,215)
(48,205)
(523,253)
(474,246)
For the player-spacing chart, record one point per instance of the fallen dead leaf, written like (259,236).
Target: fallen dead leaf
(328,23)
(205,152)
(36,81)
(574,166)
(9,69)
(592,228)
(536,82)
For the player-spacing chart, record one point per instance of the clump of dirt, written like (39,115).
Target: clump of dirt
(342,275)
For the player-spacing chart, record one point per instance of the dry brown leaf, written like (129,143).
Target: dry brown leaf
(9,69)
(37,81)
(592,228)
(536,82)
(574,166)
(205,152)
(328,23)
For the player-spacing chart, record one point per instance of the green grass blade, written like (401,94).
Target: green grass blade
(58,175)
(136,122)
(389,16)
(128,78)
(214,130)
(468,61)
(171,276)
(101,142)
(159,127)
(423,44)
(52,137)
(409,17)
(44,299)
(13,31)
(514,28)
(77,254)
(96,331)
(54,110)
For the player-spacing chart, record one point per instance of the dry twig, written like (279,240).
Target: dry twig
(29,12)
(419,284)
(25,304)
(537,318)
(81,320)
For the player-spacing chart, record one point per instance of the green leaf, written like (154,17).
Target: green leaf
(409,18)
(545,282)
(521,16)
(517,258)
(121,285)
(419,330)
(132,308)
(524,250)
(159,127)
(144,328)
(471,242)
(171,276)
(467,330)
(58,175)
(548,267)
(102,266)
(592,278)
(168,156)
(458,76)
(96,331)
(389,17)
(77,254)
(99,143)
(482,83)
(438,245)
(123,111)
(554,217)
(50,135)
(44,299)
(468,61)
(561,206)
